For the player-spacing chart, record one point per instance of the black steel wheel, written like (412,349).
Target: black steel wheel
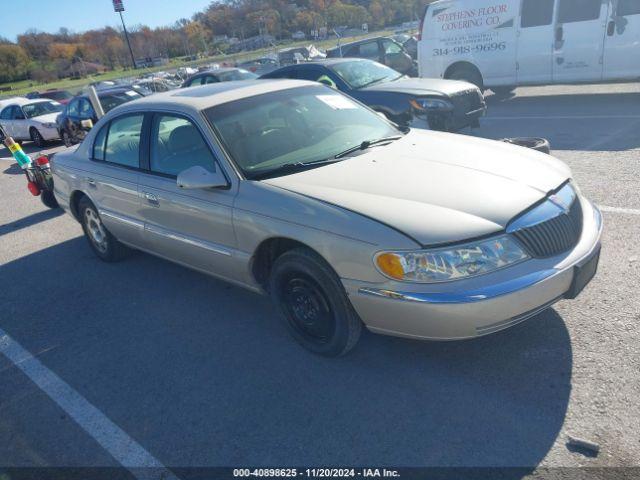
(66,139)
(313,303)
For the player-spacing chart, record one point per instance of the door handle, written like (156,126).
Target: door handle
(611,28)
(91,182)
(559,34)
(151,198)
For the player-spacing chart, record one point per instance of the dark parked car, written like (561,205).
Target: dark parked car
(60,96)
(73,123)
(448,105)
(381,49)
(218,75)
(409,42)
(260,66)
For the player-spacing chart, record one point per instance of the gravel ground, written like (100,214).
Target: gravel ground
(200,373)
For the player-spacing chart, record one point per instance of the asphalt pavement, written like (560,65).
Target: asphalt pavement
(145,361)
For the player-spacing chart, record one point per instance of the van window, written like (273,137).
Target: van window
(628,7)
(536,13)
(578,10)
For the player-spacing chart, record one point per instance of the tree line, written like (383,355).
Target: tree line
(42,57)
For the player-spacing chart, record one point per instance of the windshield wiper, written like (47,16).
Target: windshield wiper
(372,82)
(367,144)
(292,168)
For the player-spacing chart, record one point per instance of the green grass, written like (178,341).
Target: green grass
(25,86)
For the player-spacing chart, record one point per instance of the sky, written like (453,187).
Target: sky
(81,15)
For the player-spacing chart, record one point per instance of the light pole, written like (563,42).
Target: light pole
(119,8)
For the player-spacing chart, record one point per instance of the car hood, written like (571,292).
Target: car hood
(435,187)
(422,86)
(46,118)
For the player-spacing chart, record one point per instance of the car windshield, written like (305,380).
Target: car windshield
(32,110)
(59,95)
(112,100)
(296,126)
(236,75)
(361,73)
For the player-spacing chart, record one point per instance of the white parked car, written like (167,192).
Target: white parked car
(501,45)
(33,120)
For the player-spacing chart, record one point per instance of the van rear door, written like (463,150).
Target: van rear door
(535,41)
(622,42)
(579,40)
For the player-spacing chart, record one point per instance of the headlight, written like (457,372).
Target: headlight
(451,263)
(49,125)
(431,104)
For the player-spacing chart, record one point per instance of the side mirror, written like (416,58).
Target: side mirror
(200,177)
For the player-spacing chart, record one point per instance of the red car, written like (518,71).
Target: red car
(61,96)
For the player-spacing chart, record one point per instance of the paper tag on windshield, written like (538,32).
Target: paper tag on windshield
(131,93)
(337,102)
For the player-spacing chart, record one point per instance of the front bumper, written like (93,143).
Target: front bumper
(475,307)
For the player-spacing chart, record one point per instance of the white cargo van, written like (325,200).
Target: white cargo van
(500,44)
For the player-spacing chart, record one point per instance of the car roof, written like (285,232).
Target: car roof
(108,91)
(24,101)
(357,42)
(327,62)
(216,70)
(212,94)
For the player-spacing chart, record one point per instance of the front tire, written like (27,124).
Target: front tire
(37,138)
(102,242)
(313,302)
(66,139)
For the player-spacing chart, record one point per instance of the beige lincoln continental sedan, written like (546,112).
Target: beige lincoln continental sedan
(292,189)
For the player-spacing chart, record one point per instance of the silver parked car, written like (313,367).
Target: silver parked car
(293,189)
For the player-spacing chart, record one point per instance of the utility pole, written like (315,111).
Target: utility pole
(118,7)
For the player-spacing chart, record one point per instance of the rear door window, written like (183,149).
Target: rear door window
(72,109)
(86,110)
(369,50)
(578,10)
(6,113)
(123,141)
(536,13)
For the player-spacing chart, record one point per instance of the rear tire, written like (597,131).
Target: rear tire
(66,139)
(37,138)
(313,303)
(467,73)
(102,242)
(48,199)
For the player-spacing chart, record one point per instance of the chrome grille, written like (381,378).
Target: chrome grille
(556,234)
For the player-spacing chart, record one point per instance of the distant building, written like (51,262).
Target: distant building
(148,62)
